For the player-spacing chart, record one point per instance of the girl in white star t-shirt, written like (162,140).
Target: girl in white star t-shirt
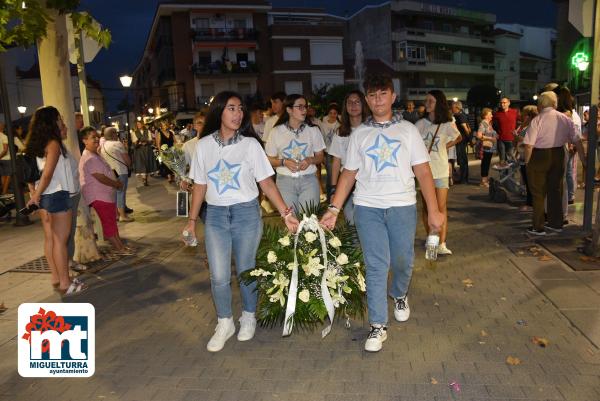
(295,148)
(228,163)
(439,132)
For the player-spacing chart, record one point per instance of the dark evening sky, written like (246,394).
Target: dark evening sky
(130,20)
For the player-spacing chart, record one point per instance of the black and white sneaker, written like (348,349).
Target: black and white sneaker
(376,337)
(533,231)
(401,309)
(553,229)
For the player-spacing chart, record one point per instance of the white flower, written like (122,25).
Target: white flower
(271,257)
(278,296)
(291,265)
(260,272)
(281,280)
(342,259)
(310,236)
(361,282)
(337,298)
(335,242)
(284,241)
(164,147)
(304,295)
(313,267)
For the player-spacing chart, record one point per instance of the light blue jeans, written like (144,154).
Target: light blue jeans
(121,204)
(238,229)
(300,191)
(387,238)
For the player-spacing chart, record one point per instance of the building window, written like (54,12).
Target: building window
(446,27)
(201,23)
(428,25)
(239,23)
(204,58)
(242,57)
(207,90)
(293,87)
(429,82)
(292,54)
(464,29)
(244,88)
(512,87)
(512,66)
(326,52)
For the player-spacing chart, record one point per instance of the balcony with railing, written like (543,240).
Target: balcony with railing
(224,68)
(223,34)
(440,36)
(443,65)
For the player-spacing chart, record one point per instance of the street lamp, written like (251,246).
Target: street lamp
(126,82)
(22,110)
(535,97)
(455,99)
(91,108)
(150,110)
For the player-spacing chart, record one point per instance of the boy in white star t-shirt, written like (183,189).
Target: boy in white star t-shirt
(384,156)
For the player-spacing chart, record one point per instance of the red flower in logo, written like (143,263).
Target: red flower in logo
(44,321)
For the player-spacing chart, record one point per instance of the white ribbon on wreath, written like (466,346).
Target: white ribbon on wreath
(310,223)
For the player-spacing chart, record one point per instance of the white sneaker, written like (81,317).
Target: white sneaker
(443,249)
(401,309)
(225,329)
(376,337)
(247,326)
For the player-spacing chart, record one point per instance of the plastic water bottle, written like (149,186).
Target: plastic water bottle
(189,238)
(296,174)
(431,246)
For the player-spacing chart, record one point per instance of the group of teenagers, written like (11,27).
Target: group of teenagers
(375,156)
(97,177)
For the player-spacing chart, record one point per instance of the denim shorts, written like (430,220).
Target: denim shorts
(441,183)
(56,202)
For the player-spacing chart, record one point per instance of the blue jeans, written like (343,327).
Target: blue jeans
(505,150)
(569,177)
(121,204)
(300,191)
(236,228)
(387,238)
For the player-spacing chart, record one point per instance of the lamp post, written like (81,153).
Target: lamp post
(22,110)
(126,82)
(91,108)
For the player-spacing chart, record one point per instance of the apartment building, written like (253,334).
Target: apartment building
(195,50)
(425,46)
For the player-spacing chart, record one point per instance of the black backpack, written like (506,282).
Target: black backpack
(29,167)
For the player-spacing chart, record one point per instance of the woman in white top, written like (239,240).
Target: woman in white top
(295,147)
(52,194)
(439,132)
(229,162)
(354,112)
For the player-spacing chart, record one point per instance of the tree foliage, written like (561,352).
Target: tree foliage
(24,22)
(327,93)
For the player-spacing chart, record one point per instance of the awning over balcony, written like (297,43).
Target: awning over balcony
(229,45)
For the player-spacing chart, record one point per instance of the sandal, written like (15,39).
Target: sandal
(78,267)
(76,287)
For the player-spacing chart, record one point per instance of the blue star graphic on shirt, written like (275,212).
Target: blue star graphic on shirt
(295,150)
(225,176)
(428,139)
(383,152)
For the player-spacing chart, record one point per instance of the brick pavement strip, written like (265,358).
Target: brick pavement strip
(161,308)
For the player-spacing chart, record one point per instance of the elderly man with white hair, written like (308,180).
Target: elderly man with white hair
(545,159)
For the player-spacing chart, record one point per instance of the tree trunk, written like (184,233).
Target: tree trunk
(55,75)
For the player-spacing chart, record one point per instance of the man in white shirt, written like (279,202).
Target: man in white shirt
(277,109)
(384,155)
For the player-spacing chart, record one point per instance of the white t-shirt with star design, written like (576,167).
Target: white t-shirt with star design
(439,154)
(230,172)
(384,158)
(283,143)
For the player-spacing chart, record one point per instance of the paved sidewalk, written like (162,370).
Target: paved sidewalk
(470,312)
